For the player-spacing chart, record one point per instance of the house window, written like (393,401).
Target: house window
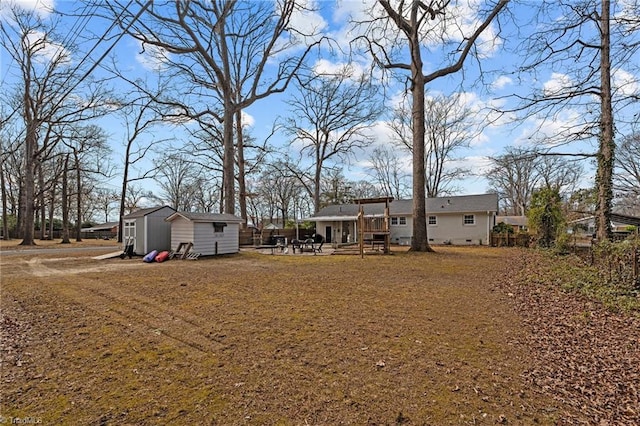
(401,220)
(469,219)
(433,220)
(219,226)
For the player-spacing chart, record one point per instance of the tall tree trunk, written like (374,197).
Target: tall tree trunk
(21,210)
(316,182)
(31,144)
(52,208)
(78,196)
(123,193)
(420,241)
(43,228)
(27,217)
(604,176)
(242,187)
(65,203)
(5,214)
(228,162)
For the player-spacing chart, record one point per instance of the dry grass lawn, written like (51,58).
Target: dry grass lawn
(263,340)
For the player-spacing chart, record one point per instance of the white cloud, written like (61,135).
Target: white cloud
(307,20)
(247,119)
(42,8)
(326,67)
(557,84)
(626,14)
(540,131)
(467,22)
(478,164)
(501,82)
(46,51)
(152,58)
(626,83)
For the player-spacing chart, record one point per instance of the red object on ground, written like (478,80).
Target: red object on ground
(162,256)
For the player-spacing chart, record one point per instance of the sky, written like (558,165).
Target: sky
(499,83)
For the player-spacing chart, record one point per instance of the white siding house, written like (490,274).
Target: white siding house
(460,220)
(147,229)
(209,233)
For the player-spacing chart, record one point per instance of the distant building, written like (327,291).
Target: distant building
(518,223)
(464,220)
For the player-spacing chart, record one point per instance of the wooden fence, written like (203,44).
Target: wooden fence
(505,239)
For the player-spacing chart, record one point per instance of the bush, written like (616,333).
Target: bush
(503,228)
(614,261)
(571,273)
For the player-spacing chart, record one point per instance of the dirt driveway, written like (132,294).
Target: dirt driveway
(259,339)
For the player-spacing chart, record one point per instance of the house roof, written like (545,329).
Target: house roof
(512,220)
(463,204)
(206,217)
(454,204)
(616,218)
(102,227)
(147,211)
(625,219)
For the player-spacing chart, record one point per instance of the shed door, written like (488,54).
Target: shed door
(129,232)
(328,237)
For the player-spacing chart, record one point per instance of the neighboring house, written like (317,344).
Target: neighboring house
(205,233)
(587,225)
(105,230)
(466,219)
(148,229)
(519,223)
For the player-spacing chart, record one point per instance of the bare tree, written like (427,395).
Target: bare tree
(578,38)
(413,24)
(142,120)
(54,91)
(66,200)
(207,196)
(364,189)
(336,188)
(331,117)
(86,143)
(387,173)
(448,129)
(179,181)
(9,169)
(513,175)
(559,174)
(105,201)
(279,188)
(206,145)
(627,176)
(519,172)
(135,198)
(221,52)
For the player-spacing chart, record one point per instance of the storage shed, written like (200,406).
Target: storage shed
(205,233)
(148,229)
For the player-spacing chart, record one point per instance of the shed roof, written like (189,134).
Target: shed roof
(206,217)
(454,204)
(145,212)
